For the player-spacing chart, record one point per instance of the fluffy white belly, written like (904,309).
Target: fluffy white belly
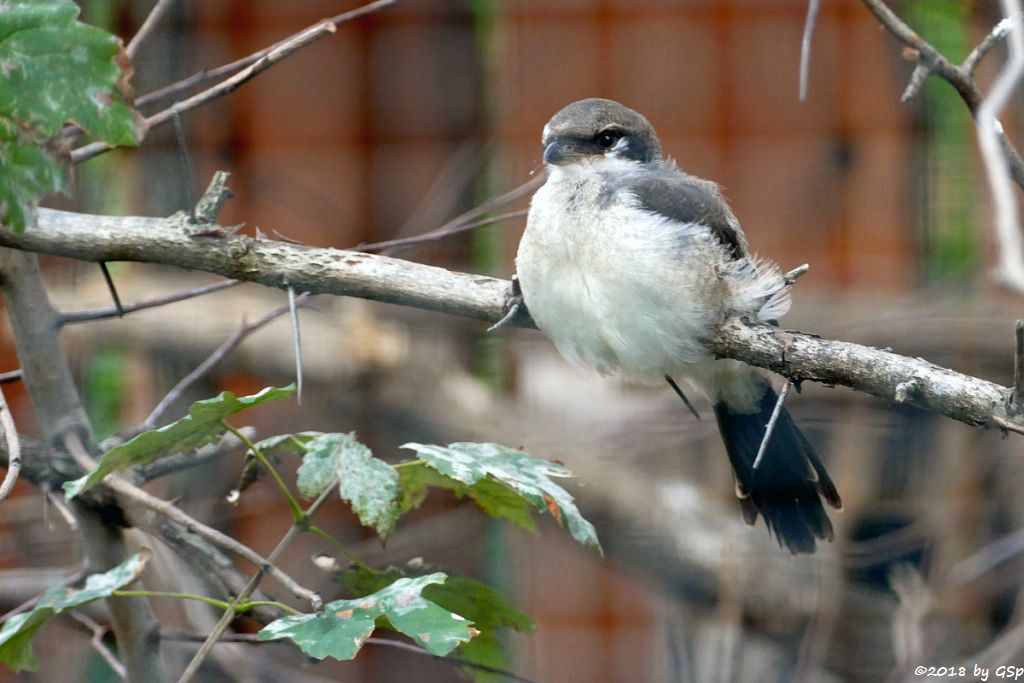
(618,289)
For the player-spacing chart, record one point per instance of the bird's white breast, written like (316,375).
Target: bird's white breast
(614,286)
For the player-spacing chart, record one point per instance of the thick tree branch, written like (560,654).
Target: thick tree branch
(47,376)
(275,264)
(332,271)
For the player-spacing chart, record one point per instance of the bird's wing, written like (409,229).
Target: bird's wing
(689,200)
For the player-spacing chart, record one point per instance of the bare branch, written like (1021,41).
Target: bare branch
(229,345)
(276,264)
(112,312)
(124,488)
(938,64)
(459,223)
(917,81)
(999,31)
(98,633)
(382,278)
(13,449)
(229,614)
(1008,232)
(54,396)
(154,16)
(263,61)
(770,427)
(1002,161)
(70,580)
(183,461)
(805,45)
(1018,367)
(391,246)
(293,310)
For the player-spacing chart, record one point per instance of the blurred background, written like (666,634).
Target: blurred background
(411,116)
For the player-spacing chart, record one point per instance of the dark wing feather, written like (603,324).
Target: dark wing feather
(687,199)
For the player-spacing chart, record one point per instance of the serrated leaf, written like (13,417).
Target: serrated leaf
(16,633)
(367,483)
(340,630)
(201,426)
(530,477)
(486,607)
(493,497)
(54,70)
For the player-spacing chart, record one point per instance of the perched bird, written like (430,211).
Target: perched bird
(627,263)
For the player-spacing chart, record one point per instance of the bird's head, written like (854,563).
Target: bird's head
(593,129)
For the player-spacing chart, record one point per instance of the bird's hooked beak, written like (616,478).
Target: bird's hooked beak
(560,153)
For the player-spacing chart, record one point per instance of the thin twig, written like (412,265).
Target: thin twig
(155,14)
(434,236)
(988,558)
(13,449)
(111,312)
(253,639)
(263,61)
(183,461)
(1017,397)
(70,580)
(1006,425)
(228,345)
(1008,230)
(1003,162)
(958,77)
(98,633)
(513,311)
(458,223)
(795,274)
(112,289)
(57,501)
(229,614)
(205,75)
(770,427)
(293,310)
(680,394)
(917,80)
(999,31)
(185,166)
(409,647)
(805,45)
(75,448)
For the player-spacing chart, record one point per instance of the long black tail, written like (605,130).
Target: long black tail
(790,482)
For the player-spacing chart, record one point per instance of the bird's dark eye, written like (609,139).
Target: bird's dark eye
(607,139)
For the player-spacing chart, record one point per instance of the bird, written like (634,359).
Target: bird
(627,263)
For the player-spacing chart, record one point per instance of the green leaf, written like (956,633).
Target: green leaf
(369,484)
(486,607)
(528,476)
(55,70)
(493,497)
(201,426)
(285,444)
(16,634)
(340,630)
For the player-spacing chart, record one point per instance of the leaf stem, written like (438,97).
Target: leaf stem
(298,516)
(220,604)
(349,555)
